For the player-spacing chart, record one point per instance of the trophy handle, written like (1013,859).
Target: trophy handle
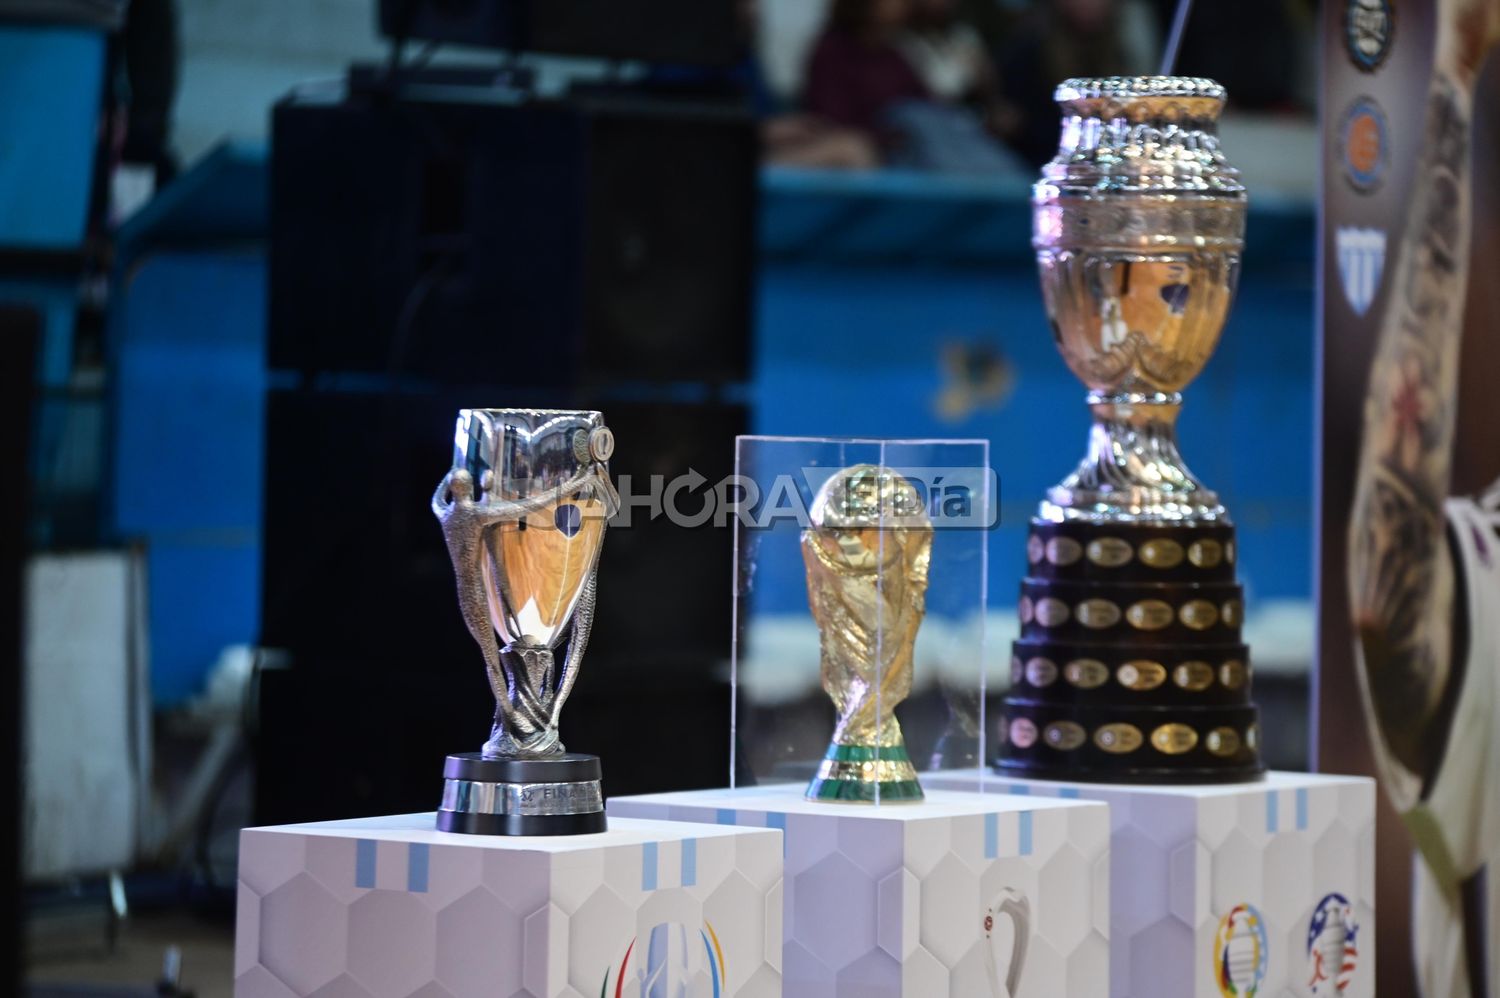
(578,642)
(1015,906)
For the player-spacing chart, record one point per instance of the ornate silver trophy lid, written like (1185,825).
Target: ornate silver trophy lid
(1138,224)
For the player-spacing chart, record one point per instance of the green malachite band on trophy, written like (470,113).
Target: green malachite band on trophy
(864,774)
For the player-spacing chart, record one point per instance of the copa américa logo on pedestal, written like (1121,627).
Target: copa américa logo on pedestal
(1241,952)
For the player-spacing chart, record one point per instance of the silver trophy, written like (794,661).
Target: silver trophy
(524,511)
(1131,665)
(1138,226)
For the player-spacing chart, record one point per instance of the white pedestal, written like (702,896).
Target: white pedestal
(1264,872)
(392,908)
(928,899)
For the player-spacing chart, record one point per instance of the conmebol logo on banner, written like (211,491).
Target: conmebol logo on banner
(1361,264)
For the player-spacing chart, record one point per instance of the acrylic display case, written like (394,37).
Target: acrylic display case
(859,598)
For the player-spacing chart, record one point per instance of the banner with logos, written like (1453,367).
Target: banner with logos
(1408,684)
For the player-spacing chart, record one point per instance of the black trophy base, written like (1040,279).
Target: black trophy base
(1130,666)
(1136,776)
(1107,744)
(560,795)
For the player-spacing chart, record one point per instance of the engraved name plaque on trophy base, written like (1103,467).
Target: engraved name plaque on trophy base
(556,796)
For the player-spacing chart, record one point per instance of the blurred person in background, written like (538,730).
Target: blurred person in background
(793,138)
(788,137)
(860,76)
(1061,39)
(946,51)
(994,20)
(857,71)
(954,62)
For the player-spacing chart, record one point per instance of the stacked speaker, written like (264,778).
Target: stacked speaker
(1130,666)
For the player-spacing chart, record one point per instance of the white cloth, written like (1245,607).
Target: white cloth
(1457,821)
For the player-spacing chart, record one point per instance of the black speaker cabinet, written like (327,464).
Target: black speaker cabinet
(20,329)
(697,32)
(484,239)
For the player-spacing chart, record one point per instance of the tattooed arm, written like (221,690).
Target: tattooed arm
(1401,581)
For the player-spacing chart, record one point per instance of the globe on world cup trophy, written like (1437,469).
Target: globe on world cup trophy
(1130,666)
(523,512)
(867,552)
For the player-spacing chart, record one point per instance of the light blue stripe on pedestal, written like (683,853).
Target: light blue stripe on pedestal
(1273,813)
(689,862)
(1068,793)
(648,866)
(776,819)
(1301,809)
(1020,790)
(991,835)
(417,859)
(724,816)
(364,863)
(1025,823)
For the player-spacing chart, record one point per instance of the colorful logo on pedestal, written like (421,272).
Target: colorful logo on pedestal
(1332,950)
(674,961)
(1241,952)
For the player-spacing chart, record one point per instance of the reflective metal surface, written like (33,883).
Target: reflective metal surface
(524,512)
(1137,225)
(473,797)
(867,555)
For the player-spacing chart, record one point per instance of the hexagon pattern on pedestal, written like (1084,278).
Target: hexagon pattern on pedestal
(1285,868)
(958,896)
(390,908)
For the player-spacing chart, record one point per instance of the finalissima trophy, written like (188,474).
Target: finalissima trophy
(1130,666)
(523,512)
(867,553)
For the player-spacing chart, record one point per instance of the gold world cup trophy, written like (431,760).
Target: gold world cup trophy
(867,553)
(1130,666)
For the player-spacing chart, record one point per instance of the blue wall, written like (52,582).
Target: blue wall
(865,279)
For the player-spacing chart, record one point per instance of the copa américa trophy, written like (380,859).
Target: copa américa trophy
(524,511)
(1130,666)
